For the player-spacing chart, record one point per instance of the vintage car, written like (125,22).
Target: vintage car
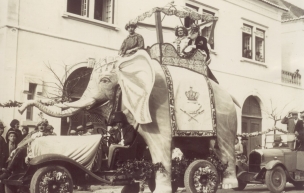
(60,162)
(274,165)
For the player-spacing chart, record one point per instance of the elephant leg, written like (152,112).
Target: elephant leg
(160,150)
(224,149)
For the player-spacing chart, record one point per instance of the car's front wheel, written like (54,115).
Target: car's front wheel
(276,179)
(51,179)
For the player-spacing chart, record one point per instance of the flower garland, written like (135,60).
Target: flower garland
(254,134)
(209,184)
(139,169)
(10,104)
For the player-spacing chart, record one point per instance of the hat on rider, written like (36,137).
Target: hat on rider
(294,112)
(80,128)
(277,138)
(89,125)
(118,117)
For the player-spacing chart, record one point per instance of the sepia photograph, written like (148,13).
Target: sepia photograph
(151,96)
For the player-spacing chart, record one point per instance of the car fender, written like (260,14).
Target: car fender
(46,159)
(270,165)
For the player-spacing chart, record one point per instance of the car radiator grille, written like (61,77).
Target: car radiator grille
(254,162)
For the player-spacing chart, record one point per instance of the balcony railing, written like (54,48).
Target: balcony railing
(291,77)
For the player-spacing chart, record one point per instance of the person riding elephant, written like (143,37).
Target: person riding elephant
(158,98)
(132,43)
(181,40)
(199,42)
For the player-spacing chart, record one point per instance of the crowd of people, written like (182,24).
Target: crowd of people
(13,148)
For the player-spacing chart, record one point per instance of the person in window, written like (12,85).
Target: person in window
(15,127)
(258,57)
(181,40)
(199,42)
(122,132)
(17,156)
(132,43)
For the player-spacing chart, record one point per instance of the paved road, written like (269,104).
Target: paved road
(249,189)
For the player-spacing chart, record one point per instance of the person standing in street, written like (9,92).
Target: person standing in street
(3,146)
(294,125)
(15,127)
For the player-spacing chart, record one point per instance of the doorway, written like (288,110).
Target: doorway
(252,122)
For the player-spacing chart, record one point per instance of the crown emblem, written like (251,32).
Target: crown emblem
(192,95)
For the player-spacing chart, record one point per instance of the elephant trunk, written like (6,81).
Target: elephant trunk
(53,113)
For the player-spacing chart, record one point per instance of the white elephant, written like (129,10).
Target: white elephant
(160,99)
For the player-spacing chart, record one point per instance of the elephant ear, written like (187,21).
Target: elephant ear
(136,79)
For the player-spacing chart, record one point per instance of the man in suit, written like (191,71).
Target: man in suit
(199,42)
(121,132)
(294,125)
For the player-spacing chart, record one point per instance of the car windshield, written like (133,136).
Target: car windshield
(279,140)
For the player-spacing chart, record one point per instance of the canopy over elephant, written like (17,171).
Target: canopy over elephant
(167,101)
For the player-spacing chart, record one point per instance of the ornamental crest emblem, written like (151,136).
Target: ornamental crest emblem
(192,108)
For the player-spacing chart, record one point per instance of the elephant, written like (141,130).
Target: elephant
(146,98)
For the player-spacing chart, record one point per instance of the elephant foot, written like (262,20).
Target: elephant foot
(229,183)
(163,182)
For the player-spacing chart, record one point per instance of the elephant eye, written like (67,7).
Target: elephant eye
(105,80)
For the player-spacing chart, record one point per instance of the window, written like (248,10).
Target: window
(259,45)
(30,96)
(101,10)
(247,41)
(188,22)
(254,46)
(206,29)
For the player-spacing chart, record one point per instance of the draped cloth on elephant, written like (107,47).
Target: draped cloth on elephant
(81,149)
(192,101)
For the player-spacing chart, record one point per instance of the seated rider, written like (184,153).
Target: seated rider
(199,42)
(181,40)
(18,155)
(132,43)
(278,142)
(300,138)
(121,133)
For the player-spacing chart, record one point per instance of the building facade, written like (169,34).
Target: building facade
(249,56)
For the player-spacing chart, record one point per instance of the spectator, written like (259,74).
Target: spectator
(238,147)
(3,146)
(294,125)
(11,144)
(25,131)
(80,130)
(14,127)
(18,155)
(89,128)
(50,130)
(244,143)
